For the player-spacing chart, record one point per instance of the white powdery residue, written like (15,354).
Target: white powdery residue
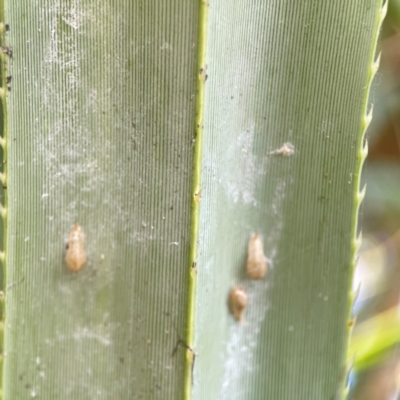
(326,127)
(277,202)
(286,150)
(97,333)
(59,85)
(62,58)
(242,343)
(240,180)
(85,333)
(166,46)
(62,53)
(67,131)
(144,237)
(275,211)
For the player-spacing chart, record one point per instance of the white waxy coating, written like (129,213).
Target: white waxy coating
(76,256)
(256,261)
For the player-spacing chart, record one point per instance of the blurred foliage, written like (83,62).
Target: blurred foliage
(374,350)
(374,337)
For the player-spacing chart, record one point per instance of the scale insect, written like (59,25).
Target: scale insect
(75,257)
(257,265)
(238,300)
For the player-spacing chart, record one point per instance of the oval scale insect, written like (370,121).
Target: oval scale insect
(238,299)
(76,255)
(256,261)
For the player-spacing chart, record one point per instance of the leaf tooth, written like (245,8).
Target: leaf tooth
(368,118)
(375,65)
(384,10)
(364,151)
(356,292)
(349,367)
(361,194)
(357,242)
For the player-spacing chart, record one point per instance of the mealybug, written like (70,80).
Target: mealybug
(256,260)
(238,299)
(76,256)
(286,150)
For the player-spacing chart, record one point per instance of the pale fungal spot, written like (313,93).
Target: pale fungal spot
(238,299)
(286,150)
(76,256)
(7,51)
(203,75)
(256,261)
(197,195)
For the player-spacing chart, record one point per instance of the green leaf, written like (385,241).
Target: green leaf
(101,122)
(295,72)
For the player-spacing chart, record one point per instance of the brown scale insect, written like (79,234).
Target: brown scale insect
(256,261)
(76,255)
(238,299)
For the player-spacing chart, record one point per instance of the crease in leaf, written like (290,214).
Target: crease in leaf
(4,88)
(198,148)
